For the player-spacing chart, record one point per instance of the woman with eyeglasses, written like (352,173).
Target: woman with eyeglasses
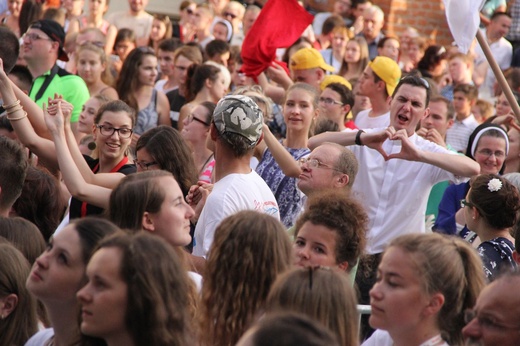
(183,29)
(491,208)
(112,136)
(488,145)
(425,283)
(135,86)
(196,132)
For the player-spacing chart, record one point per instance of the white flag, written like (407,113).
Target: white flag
(463,19)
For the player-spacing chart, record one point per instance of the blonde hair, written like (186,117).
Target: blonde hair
(450,266)
(321,293)
(106,76)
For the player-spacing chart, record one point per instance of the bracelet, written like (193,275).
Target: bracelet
(13,110)
(16,103)
(358,137)
(19,118)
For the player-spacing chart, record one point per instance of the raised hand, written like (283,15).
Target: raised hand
(53,116)
(432,135)
(375,140)
(408,150)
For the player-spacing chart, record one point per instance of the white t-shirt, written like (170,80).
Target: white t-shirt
(40,338)
(159,86)
(458,134)
(395,192)
(231,194)
(363,121)
(141,24)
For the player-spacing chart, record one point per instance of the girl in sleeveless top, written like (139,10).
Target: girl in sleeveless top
(136,87)
(94,19)
(11,20)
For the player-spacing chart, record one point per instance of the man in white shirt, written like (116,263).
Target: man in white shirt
(136,18)
(377,82)
(236,129)
(397,171)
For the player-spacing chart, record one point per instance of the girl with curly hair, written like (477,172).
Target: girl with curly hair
(249,251)
(330,232)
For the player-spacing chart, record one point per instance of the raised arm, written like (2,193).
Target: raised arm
(34,112)
(108,180)
(287,163)
(457,164)
(42,147)
(76,184)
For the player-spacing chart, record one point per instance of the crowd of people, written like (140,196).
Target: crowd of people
(206,181)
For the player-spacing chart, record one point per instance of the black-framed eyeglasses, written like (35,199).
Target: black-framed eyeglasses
(145,165)
(464,203)
(329,101)
(34,37)
(227,14)
(191,118)
(108,131)
(488,322)
(315,163)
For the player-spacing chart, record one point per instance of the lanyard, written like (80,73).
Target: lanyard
(94,170)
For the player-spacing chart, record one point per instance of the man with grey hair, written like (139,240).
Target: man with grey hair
(236,129)
(329,166)
(373,21)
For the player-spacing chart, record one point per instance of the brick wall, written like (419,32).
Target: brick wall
(427,16)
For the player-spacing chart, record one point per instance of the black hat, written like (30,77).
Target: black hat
(55,32)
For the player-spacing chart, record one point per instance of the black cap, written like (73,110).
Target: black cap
(55,32)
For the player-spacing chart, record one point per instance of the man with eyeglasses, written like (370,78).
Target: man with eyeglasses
(335,102)
(378,83)
(397,171)
(42,46)
(329,166)
(495,319)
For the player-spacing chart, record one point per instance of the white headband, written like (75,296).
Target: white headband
(479,134)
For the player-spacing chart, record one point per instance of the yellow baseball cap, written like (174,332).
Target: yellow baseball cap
(334,78)
(307,58)
(388,70)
